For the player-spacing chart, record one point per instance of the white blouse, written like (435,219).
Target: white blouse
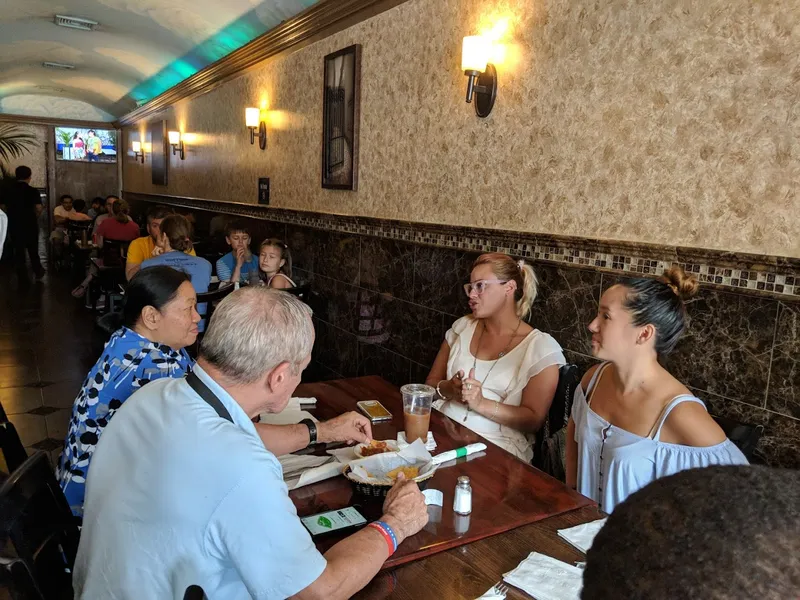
(505,383)
(629,461)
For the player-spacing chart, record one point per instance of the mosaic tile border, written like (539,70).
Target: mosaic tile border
(758,274)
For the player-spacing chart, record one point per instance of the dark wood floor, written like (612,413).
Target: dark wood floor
(47,346)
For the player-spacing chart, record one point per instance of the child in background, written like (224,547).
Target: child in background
(275,264)
(237,264)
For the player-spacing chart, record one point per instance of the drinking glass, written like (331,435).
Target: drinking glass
(417,401)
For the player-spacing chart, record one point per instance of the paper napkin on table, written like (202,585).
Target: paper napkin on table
(492,594)
(286,417)
(546,578)
(581,536)
(430,444)
(298,403)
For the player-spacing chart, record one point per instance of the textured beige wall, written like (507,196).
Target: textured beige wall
(666,122)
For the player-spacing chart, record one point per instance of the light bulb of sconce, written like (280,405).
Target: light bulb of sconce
(252,117)
(148,147)
(174,137)
(475,53)
(136,147)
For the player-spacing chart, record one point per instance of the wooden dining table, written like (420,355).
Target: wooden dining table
(516,509)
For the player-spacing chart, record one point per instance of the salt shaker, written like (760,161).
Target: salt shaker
(462,503)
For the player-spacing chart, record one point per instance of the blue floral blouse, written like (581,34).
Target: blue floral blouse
(128,362)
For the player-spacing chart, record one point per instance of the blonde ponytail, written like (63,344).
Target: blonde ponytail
(507,269)
(530,287)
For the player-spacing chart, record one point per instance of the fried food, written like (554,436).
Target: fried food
(409,472)
(375,447)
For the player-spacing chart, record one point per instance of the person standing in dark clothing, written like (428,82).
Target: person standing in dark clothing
(24,207)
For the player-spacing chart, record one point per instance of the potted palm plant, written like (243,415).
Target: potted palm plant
(14,143)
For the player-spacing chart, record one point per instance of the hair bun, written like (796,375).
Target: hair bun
(683,284)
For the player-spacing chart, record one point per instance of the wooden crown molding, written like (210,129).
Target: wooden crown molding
(321,20)
(54,121)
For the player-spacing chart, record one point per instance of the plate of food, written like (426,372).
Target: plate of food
(375,447)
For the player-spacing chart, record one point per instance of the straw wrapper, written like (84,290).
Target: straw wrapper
(374,470)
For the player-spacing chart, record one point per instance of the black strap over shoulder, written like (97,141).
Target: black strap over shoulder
(210,397)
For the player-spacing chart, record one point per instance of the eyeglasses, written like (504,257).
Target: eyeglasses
(480,286)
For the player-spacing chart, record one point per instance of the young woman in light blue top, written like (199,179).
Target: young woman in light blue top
(632,422)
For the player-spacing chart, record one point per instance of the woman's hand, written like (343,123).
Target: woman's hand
(157,251)
(452,387)
(471,391)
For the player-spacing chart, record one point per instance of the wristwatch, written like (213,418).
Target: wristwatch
(312,431)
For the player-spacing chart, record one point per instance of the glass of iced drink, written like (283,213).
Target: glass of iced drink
(417,400)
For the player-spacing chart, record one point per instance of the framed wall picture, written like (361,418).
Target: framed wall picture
(340,118)
(158,141)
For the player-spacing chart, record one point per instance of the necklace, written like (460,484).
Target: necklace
(499,356)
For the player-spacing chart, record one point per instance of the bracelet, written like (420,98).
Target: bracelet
(494,414)
(387,533)
(438,391)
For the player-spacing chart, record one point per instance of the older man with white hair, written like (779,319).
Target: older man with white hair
(185,491)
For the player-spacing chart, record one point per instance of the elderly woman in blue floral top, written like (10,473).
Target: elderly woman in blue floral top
(159,320)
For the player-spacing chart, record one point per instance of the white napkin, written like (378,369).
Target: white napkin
(344,455)
(296,403)
(581,536)
(430,444)
(286,417)
(546,578)
(491,594)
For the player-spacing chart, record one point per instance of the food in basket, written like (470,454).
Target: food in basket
(374,447)
(409,472)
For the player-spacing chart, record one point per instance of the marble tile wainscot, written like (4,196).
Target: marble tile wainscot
(387,291)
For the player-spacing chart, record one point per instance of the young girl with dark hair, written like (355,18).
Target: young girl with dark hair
(157,322)
(275,264)
(632,422)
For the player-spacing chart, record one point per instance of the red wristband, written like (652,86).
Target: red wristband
(386,536)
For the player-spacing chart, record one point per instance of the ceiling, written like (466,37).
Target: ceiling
(140,49)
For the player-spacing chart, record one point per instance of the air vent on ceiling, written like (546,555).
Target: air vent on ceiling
(75,22)
(55,65)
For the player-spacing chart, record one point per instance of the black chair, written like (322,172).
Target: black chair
(13,451)
(17,579)
(301,291)
(744,435)
(549,447)
(11,446)
(39,526)
(214,296)
(110,273)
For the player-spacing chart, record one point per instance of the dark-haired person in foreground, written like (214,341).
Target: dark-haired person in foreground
(632,422)
(185,490)
(23,208)
(157,322)
(721,533)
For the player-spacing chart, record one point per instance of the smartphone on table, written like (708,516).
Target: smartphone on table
(334,521)
(374,411)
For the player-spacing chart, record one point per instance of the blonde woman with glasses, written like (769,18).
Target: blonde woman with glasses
(494,373)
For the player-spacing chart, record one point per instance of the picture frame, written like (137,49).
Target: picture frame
(159,150)
(341,112)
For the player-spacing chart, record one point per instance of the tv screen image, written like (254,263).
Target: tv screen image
(86,145)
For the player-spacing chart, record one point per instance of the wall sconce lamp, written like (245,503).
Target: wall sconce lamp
(482,75)
(138,153)
(177,143)
(253,121)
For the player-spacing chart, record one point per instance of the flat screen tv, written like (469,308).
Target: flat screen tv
(86,145)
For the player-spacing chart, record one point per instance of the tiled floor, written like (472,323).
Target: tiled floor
(47,345)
